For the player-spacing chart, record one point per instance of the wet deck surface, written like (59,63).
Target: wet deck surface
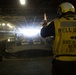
(26,66)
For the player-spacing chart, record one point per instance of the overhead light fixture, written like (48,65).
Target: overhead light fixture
(22,2)
(3,24)
(9,26)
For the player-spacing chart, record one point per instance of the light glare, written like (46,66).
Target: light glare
(3,24)
(22,2)
(30,32)
(9,26)
(9,40)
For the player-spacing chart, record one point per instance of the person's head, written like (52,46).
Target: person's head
(65,8)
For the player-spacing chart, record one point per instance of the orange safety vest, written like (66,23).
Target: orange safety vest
(64,48)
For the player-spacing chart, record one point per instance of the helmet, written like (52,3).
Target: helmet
(65,7)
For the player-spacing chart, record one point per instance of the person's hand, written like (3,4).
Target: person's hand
(45,24)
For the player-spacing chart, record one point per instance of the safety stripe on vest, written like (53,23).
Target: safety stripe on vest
(68,24)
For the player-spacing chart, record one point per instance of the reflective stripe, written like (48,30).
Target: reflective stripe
(66,58)
(68,24)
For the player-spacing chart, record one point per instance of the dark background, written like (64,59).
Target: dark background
(34,7)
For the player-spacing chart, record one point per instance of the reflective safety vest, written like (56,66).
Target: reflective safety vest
(65,39)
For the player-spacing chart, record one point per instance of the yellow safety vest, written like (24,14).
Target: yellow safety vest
(65,39)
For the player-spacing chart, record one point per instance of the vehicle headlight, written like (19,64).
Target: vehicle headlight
(30,32)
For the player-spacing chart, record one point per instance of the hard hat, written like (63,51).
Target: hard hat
(66,7)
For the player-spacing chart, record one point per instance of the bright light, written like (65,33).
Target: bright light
(22,2)
(30,32)
(3,24)
(8,40)
(9,26)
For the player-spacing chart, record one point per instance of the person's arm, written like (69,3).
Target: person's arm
(48,30)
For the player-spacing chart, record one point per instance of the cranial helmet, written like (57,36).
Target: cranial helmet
(65,7)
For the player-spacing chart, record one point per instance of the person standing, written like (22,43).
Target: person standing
(63,28)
